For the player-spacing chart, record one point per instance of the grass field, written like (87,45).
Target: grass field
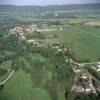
(84,40)
(19,87)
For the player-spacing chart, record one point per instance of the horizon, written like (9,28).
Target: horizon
(47,5)
(46,2)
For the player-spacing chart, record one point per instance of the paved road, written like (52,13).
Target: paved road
(91,63)
(3,82)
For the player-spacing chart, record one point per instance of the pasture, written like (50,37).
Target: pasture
(85,41)
(19,87)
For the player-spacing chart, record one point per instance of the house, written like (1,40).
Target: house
(87,88)
(84,76)
(55,47)
(66,60)
(31,41)
(65,49)
(81,65)
(77,88)
(56,44)
(96,67)
(76,69)
(59,51)
(97,86)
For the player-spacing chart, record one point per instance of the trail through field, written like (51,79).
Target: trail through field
(3,82)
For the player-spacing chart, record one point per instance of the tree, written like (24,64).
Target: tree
(14,65)
(1,87)
(2,72)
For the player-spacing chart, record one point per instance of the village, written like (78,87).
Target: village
(86,83)
(22,30)
(83,80)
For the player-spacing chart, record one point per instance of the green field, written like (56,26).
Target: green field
(84,40)
(19,87)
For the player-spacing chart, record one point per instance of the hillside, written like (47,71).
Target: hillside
(5,8)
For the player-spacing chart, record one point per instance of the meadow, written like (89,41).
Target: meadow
(84,40)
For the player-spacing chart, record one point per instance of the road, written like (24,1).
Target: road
(4,81)
(91,63)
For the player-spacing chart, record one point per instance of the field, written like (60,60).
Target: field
(23,83)
(20,87)
(84,40)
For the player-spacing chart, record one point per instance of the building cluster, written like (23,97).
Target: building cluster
(87,85)
(59,50)
(24,28)
(33,42)
(96,67)
(83,79)
(21,30)
(83,82)
(97,85)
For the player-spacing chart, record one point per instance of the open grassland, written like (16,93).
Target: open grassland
(85,41)
(19,87)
